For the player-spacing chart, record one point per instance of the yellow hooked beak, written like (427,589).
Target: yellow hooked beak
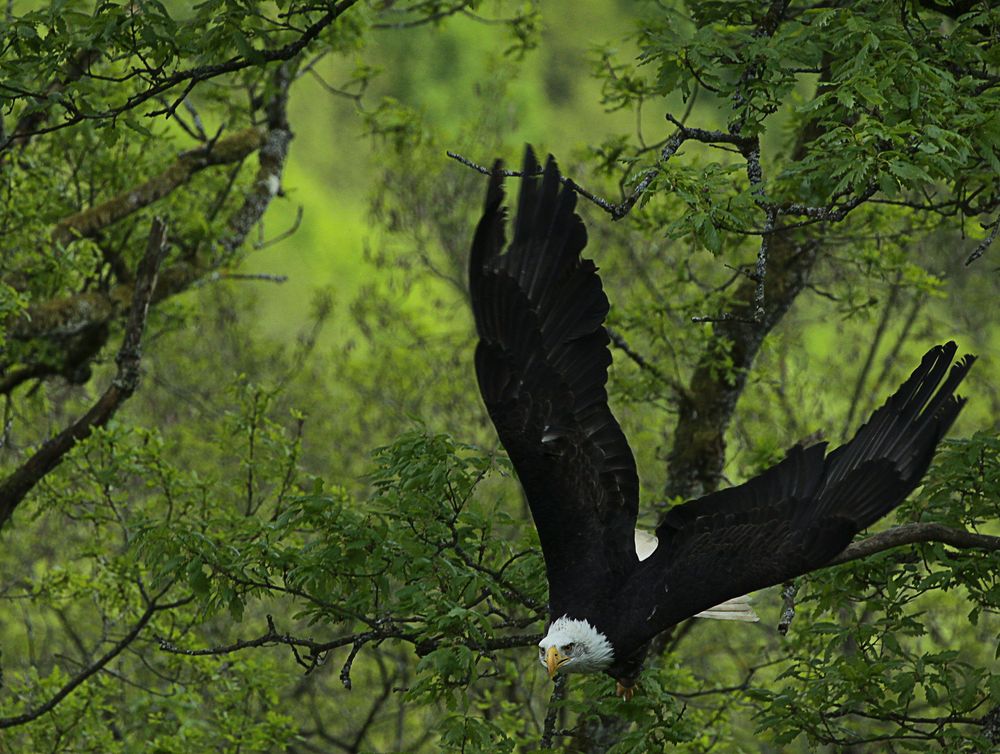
(554,661)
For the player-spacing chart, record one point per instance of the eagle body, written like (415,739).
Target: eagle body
(542,364)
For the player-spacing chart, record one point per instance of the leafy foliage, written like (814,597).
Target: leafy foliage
(227,565)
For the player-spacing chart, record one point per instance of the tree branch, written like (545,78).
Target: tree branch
(27,124)
(20,482)
(908,534)
(384,629)
(194,76)
(985,243)
(74,320)
(95,667)
(87,223)
(552,712)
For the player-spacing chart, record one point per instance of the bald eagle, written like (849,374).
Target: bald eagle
(542,364)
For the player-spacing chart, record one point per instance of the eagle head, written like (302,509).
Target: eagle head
(574,646)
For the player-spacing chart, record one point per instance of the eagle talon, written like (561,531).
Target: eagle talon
(624,692)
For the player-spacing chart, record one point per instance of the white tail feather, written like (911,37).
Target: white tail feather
(737,608)
(734,609)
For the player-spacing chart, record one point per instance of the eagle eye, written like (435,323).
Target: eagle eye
(568,649)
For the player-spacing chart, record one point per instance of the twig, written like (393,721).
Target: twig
(788,609)
(384,629)
(83,675)
(985,243)
(90,221)
(409,24)
(612,209)
(285,233)
(20,482)
(742,686)
(265,276)
(640,360)
(269,639)
(201,73)
(345,671)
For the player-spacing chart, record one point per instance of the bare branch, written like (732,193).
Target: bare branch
(558,692)
(272,638)
(788,609)
(985,243)
(20,482)
(833,213)
(267,277)
(612,209)
(317,650)
(345,671)
(908,534)
(712,137)
(619,341)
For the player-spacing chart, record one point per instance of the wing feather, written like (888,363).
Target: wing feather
(542,364)
(796,516)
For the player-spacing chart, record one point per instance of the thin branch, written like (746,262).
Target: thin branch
(788,607)
(20,482)
(291,231)
(84,316)
(90,221)
(640,360)
(384,629)
(828,214)
(431,18)
(742,686)
(612,209)
(908,534)
(712,137)
(201,73)
(270,639)
(96,666)
(27,124)
(267,277)
(345,671)
(985,243)
(558,692)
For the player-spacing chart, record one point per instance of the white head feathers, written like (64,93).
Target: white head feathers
(583,647)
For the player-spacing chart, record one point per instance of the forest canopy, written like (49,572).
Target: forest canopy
(250,500)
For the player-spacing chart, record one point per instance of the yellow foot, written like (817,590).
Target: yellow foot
(625,692)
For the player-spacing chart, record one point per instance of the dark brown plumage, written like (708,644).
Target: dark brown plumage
(542,363)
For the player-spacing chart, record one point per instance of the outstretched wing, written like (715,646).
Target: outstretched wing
(799,514)
(542,363)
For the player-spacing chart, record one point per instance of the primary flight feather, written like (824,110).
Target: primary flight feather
(542,365)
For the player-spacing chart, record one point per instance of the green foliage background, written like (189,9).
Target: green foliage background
(301,535)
